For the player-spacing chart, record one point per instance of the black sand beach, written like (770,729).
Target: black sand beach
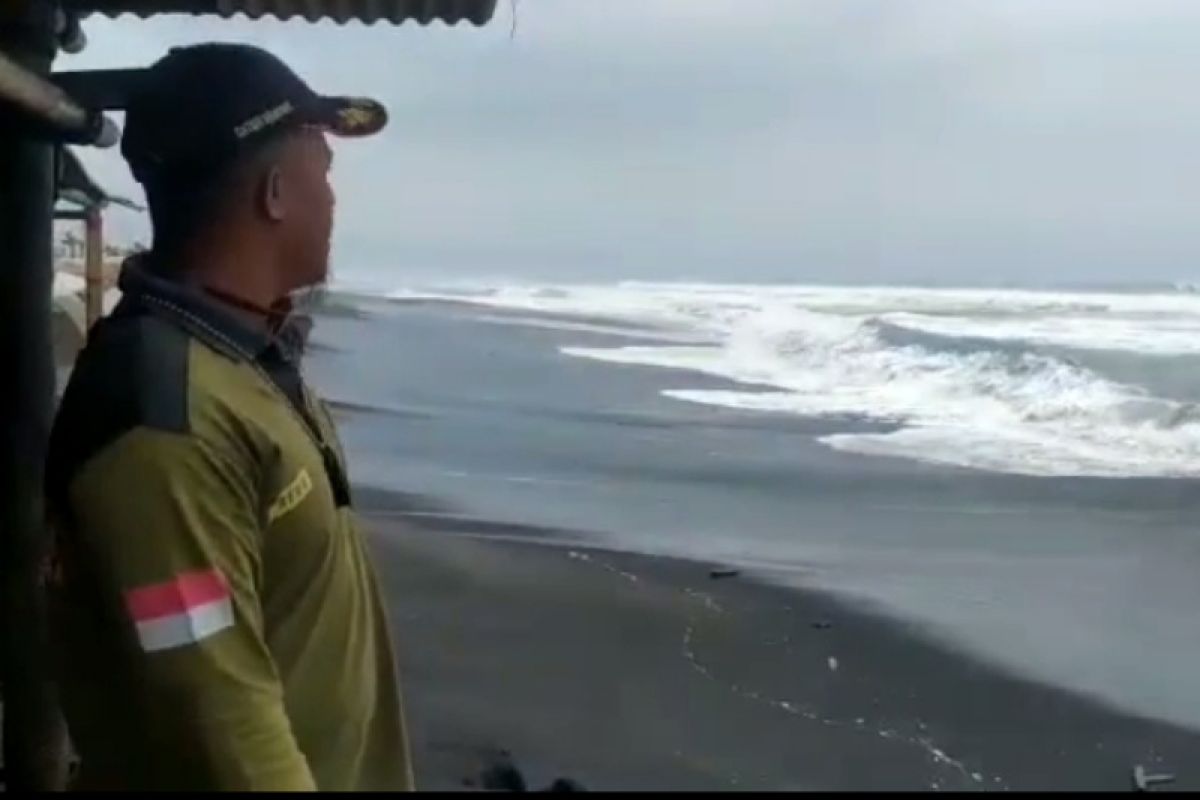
(625,671)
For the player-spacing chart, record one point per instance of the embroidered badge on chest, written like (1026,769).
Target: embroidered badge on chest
(292,495)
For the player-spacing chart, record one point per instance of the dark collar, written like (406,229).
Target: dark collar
(205,317)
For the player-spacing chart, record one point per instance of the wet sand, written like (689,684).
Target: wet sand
(624,671)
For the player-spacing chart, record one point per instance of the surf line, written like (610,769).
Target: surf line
(703,602)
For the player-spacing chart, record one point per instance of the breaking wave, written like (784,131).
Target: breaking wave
(969,378)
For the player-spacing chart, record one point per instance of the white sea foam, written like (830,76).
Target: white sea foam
(834,352)
(1173,334)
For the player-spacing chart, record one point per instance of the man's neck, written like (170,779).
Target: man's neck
(271,315)
(243,283)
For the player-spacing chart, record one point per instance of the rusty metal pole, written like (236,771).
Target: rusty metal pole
(93,269)
(34,739)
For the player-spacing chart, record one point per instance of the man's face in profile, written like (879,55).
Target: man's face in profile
(308,225)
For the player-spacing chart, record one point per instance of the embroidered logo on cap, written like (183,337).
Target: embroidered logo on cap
(260,121)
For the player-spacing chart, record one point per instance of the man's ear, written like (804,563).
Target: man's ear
(273,204)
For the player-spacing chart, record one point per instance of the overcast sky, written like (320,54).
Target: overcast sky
(886,141)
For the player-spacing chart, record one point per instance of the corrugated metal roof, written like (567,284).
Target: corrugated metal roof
(423,12)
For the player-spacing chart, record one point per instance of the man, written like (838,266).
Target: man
(220,624)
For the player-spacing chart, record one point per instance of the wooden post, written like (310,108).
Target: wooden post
(34,737)
(94,266)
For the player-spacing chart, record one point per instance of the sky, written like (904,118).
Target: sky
(959,142)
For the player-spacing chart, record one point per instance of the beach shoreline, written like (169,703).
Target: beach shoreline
(627,671)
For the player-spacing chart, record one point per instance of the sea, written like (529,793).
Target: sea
(1011,472)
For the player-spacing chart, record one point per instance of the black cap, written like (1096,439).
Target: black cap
(201,106)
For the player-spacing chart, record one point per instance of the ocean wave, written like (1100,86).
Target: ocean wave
(346,406)
(1166,311)
(1012,412)
(1171,335)
(962,388)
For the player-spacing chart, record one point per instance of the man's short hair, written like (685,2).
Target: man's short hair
(182,209)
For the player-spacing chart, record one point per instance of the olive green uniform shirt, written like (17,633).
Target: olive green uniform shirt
(218,619)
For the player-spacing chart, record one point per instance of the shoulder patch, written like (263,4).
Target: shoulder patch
(184,610)
(292,495)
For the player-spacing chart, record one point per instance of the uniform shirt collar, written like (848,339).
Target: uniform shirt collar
(207,318)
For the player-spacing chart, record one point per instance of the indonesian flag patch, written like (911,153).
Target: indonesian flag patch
(181,611)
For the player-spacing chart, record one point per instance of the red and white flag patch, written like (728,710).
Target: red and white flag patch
(184,610)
